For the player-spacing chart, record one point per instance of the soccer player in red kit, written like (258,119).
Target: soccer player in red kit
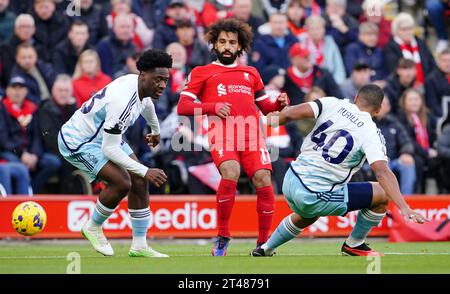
(228,92)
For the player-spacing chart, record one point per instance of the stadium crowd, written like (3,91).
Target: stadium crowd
(54,55)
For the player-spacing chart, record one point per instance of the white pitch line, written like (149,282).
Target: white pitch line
(206,255)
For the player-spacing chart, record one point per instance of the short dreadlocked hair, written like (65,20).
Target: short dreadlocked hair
(151,59)
(242,29)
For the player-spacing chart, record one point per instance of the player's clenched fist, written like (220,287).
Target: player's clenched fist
(152,140)
(223,109)
(283,100)
(156,176)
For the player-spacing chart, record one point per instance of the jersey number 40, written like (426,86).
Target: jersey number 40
(319,138)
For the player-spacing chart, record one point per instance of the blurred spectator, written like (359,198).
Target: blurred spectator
(51,26)
(272,49)
(399,147)
(359,77)
(176,83)
(271,7)
(20,6)
(340,25)
(296,17)
(404,44)
(436,13)
(302,76)
(130,66)
(443,148)
(354,8)
(39,76)
(213,10)
(24,29)
(399,81)
(66,54)
(366,50)
(165,33)
(437,84)
(197,53)
(151,11)
(14,177)
(7,19)
(88,77)
(421,127)
(93,16)
(20,139)
(52,114)
(115,49)
(143,36)
(373,11)
(305,126)
(323,48)
(311,7)
(242,10)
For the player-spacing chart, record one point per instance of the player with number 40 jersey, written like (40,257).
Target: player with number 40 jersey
(317,182)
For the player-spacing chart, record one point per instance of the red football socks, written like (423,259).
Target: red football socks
(265,206)
(225,200)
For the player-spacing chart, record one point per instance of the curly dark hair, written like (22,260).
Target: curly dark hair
(242,29)
(151,59)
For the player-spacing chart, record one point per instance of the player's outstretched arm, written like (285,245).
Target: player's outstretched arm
(388,182)
(290,113)
(266,106)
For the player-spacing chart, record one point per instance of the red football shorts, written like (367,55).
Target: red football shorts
(251,159)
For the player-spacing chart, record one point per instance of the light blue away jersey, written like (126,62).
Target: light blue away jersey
(115,107)
(342,138)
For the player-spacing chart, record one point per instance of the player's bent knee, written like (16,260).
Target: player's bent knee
(138,183)
(230,170)
(379,199)
(262,178)
(122,186)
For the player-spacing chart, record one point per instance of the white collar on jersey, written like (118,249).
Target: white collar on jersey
(229,65)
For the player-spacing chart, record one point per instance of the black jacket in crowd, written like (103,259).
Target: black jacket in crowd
(397,139)
(393,53)
(431,129)
(50,32)
(394,90)
(51,117)
(8,57)
(96,21)
(12,139)
(436,87)
(65,57)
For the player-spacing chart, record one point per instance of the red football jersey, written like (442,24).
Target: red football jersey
(241,86)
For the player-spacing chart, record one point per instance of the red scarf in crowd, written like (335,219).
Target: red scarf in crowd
(22,114)
(421,132)
(411,51)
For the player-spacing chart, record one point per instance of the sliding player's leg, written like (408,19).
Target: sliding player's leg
(138,208)
(289,228)
(118,185)
(292,224)
(371,201)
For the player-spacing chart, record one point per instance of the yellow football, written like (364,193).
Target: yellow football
(29,218)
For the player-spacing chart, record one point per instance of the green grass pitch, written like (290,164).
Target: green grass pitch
(300,257)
